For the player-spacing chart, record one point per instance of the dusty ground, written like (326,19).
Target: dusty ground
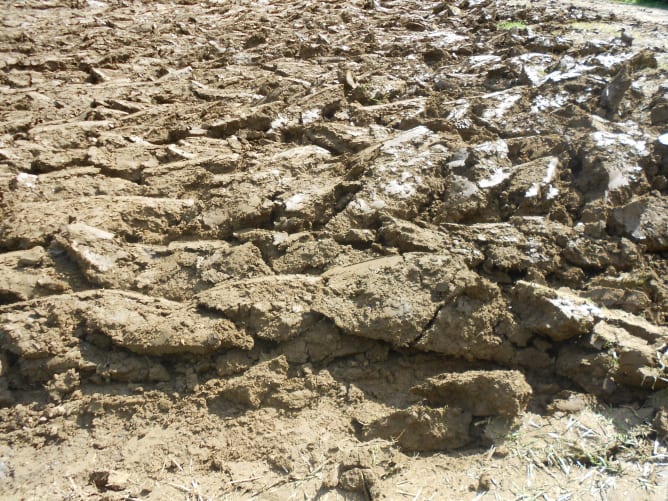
(333,250)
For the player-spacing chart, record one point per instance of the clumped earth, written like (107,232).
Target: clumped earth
(359,250)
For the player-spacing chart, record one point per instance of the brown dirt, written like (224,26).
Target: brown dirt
(324,250)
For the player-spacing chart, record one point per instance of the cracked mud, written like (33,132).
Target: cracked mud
(362,249)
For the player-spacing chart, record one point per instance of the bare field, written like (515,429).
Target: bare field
(333,250)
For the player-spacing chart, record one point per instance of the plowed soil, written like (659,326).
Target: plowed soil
(333,250)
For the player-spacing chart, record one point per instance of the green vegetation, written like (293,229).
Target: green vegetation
(657,4)
(510,25)
(604,463)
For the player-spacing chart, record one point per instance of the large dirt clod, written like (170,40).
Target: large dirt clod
(275,308)
(420,428)
(557,314)
(481,393)
(644,221)
(391,299)
(65,331)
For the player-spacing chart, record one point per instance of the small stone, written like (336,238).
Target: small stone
(117,480)
(330,478)
(570,402)
(486,482)
(501,451)
(660,423)
(110,479)
(355,394)
(357,480)
(32,257)
(614,92)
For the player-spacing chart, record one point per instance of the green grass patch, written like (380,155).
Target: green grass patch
(510,25)
(655,4)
